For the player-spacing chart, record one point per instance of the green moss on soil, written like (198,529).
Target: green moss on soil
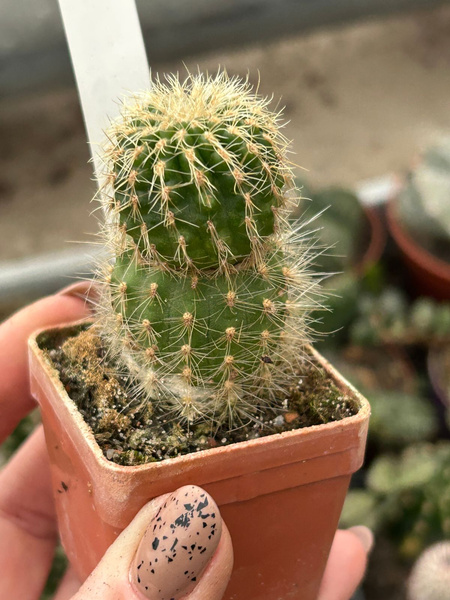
(131,433)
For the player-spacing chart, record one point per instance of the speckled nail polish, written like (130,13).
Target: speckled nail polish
(177,545)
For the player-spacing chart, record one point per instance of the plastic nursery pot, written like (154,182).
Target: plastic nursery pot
(429,274)
(280,496)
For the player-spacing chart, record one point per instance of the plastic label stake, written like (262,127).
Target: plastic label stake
(108,56)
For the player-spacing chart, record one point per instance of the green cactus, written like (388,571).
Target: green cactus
(208,298)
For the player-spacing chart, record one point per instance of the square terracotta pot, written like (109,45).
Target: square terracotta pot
(280,496)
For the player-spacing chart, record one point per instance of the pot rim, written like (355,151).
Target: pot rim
(327,428)
(424,259)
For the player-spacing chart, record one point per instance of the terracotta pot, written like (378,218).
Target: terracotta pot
(280,496)
(429,274)
(377,240)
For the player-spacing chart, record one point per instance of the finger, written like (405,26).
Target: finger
(15,399)
(27,521)
(68,586)
(172,544)
(346,563)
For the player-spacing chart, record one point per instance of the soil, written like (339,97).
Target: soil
(130,432)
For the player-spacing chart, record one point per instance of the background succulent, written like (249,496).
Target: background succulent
(343,232)
(423,203)
(389,318)
(342,227)
(400,418)
(407,497)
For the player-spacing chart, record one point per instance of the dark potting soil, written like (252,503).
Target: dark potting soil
(131,432)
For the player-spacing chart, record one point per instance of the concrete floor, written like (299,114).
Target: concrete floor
(361,100)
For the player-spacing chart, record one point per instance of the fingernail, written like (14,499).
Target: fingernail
(365,536)
(86,289)
(177,545)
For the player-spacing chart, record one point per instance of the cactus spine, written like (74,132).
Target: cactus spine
(207,301)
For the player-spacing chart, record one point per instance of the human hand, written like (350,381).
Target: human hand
(28,529)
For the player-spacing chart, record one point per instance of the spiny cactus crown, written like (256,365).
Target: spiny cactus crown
(207,300)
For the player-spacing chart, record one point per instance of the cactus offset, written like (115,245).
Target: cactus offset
(207,302)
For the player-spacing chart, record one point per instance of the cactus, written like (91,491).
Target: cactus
(208,298)
(430,576)
(423,204)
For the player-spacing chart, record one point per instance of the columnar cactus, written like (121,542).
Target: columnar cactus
(206,303)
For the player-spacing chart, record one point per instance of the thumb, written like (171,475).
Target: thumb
(176,547)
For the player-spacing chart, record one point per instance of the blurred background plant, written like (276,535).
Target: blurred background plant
(406,497)
(351,239)
(388,318)
(423,206)
(395,347)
